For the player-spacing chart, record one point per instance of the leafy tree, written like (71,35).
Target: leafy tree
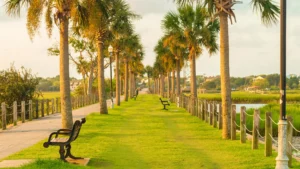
(261,83)
(293,82)
(17,85)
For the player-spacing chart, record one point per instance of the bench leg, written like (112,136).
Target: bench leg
(62,153)
(68,147)
(165,107)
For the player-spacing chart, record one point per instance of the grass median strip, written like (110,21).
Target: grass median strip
(139,134)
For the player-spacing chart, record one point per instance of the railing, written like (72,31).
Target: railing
(211,112)
(33,109)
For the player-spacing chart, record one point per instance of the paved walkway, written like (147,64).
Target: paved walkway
(25,135)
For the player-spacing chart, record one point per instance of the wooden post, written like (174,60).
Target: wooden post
(255,129)
(243,124)
(289,149)
(52,105)
(30,109)
(204,110)
(15,113)
(23,111)
(220,117)
(198,108)
(37,109)
(211,113)
(47,106)
(268,134)
(233,125)
(3,108)
(56,107)
(215,115)
(42,107)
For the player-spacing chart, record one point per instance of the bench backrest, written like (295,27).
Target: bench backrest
(75,130)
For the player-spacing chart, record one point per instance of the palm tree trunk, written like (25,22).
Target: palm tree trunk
(84,84)
(91,79)
(130,83)
(173,82)
(162,85)
(193,77)
(225,75)
(169,84)
(101,80)
(117,80)
(126,80)
(65,95)
(148,82)
(178,77)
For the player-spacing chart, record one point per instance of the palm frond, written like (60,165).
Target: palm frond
(268,10)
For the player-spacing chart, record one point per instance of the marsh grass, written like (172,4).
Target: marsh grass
(292,110)
(246,97)
(139,134)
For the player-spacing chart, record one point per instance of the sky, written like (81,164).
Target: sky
(254,48)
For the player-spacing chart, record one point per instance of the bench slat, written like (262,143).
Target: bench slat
(59,139)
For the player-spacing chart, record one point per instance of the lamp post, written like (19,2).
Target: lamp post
(282,159)
(110,50)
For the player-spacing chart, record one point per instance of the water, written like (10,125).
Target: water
(238,107)
(248,106)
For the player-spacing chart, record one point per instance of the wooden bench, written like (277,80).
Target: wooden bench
(64,142)
(164,103)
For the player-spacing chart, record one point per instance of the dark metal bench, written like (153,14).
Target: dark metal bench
(164,103)
(64,143)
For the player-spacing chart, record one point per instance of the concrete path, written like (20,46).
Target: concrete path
(27,134)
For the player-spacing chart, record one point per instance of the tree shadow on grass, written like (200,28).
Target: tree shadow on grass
(97,162)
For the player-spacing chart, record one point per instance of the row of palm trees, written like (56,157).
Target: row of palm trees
(101,22)
(193,28)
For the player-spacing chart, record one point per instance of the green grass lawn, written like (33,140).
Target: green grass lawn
(49,95)
(139,134)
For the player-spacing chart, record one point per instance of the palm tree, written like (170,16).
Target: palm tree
(224,10)
(120,27)
(98,31)
(174,40)
(148,70)
(60,12)
(198,31)
(132,44)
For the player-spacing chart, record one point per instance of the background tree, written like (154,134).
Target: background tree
(17,85)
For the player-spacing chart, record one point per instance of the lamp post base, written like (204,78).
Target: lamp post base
(282,159)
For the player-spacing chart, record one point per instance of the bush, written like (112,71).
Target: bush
(17,85)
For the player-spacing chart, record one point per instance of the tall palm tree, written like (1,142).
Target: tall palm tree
(224,10)
(59,12)
(120,27)
(198,31)
(148,70)
(98,31)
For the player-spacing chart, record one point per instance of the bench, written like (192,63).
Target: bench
(64,142)
(164,103)
(134,97)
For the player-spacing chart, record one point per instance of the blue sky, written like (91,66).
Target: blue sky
(254,48)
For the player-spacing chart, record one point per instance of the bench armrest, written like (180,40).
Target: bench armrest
(60,131)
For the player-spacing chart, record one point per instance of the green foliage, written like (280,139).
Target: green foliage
(49,84)
(261,83)
(138,134)
(17,85)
